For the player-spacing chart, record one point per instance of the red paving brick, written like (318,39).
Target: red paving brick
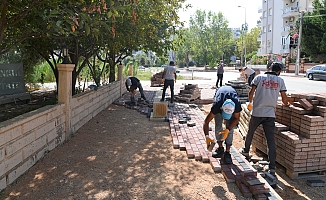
(192,140)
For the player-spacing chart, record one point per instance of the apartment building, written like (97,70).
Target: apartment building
(277,19)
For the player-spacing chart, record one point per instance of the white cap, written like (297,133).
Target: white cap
(227,109)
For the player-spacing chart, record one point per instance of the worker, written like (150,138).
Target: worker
(249,74)
(170,77)
(132,83)
(263,98)
(225,110)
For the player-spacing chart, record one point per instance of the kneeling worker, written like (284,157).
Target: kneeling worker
(132,83)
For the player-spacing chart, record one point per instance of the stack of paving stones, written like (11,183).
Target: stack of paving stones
(244,120)
(144,107)
(300,135)
(156,79)
(190,92)
(242,89)
(186,122)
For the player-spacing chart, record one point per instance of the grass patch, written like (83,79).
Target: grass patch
(146,75)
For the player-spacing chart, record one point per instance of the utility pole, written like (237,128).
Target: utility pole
(297,63)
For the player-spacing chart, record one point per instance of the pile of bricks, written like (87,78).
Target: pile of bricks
(300,135)
(190,92)
(242,89)
(244,120)
(190,138)
(141,106)
(156,79)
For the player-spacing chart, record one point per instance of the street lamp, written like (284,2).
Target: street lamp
(65,54)
(245,29)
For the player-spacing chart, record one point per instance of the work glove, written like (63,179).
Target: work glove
(133,92)
(225,133)
(249,106)
(208,141)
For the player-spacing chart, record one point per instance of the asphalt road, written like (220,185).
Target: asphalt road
(294,84)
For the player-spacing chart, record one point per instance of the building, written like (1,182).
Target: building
(277,20)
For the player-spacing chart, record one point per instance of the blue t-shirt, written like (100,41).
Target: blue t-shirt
(222,94)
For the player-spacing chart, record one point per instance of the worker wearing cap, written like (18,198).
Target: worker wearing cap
(227,108)
(132,83)
(263,98)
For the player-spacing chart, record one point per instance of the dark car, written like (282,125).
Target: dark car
(316,72)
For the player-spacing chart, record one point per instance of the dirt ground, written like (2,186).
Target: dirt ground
(120,154)
(37,100)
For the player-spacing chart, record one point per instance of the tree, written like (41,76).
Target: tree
(208,38)
(313,40)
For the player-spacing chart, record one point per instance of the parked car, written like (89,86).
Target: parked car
(316,72)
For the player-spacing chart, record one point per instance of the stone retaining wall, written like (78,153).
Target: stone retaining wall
(27,138)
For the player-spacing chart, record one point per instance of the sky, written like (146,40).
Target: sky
(229,8)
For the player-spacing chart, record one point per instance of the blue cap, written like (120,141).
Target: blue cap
(228,109)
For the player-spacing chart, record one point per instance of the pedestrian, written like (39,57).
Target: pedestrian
(249,74)
(226,112)
(132,83)
(263,98)
(170,77)
(220,71)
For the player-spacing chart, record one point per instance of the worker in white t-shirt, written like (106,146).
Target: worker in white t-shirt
(249,74)
(170,77)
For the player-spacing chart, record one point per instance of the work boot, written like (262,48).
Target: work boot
(218,153)
(245,153)
(227,158)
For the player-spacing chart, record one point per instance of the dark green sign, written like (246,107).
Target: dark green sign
(11,79)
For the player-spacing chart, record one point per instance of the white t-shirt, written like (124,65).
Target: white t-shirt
(169,72)
(268,89)
(249,71)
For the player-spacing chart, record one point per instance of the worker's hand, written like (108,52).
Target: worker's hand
(225,133)
(135,92)
(175,80)
(208,140)
(288,104)
(249,106)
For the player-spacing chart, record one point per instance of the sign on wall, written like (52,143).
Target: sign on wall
(11,79)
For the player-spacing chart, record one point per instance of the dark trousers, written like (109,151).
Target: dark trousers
(251,77)
(268,126)
(219,79)
(134,87)
(168,83)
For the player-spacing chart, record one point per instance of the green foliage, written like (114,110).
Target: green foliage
(248,39)
(207,40)
(313,32)
(257,60)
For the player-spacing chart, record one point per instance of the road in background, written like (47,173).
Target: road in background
(294,84)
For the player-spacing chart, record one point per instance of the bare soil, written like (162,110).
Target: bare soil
(37,100)
(120,154)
